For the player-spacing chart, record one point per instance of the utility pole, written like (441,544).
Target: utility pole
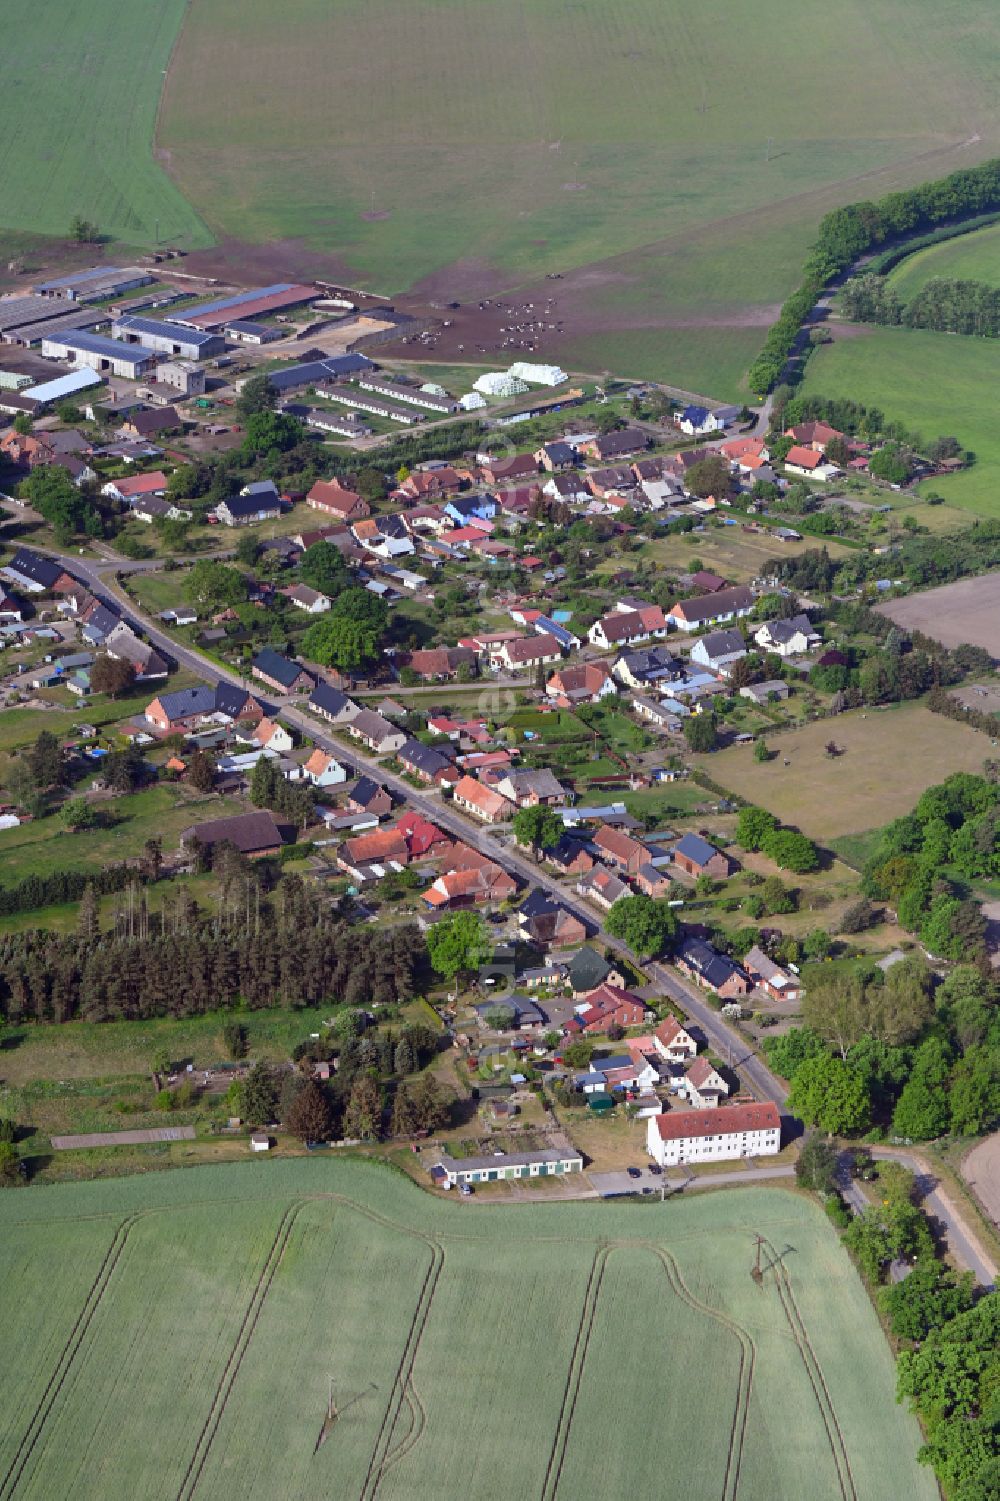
(755,1271)
(770,143)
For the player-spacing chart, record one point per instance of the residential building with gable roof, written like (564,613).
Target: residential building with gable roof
(725,1133)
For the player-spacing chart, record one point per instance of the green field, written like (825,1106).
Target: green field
(971,257)
(79,90)
(684,162)
(935,384)
(158,1347)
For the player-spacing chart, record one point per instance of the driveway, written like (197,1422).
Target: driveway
(609,1185)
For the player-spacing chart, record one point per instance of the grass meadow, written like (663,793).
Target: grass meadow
(889,756)
(934,383)
(971,257)
(181,1333)
(685,162)
(79,91)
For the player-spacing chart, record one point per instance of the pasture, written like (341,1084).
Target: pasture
(971,257)
(935,384)
(888,757)
(182,1334)
(681,167)
(965,610)
(79,91)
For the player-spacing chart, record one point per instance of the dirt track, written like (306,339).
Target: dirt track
(981,1170)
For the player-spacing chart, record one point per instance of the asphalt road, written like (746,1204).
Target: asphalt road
(965,1247)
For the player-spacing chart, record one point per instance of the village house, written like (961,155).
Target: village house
(501,471)
(588,969)
(555,456)
(472,797)
(704,1086)
(719,650)
(780,984)
(727,1132)
(652,881)
(570,855)
(787,638)
(310,600)
(624,627)
(281,673)
(369,796)
(711,609)
(647,668)
(471,885)
(608,1006)
(334,500)
(814,435)
(149,422)
(545,922)
(129,489)
(712,970)
(376,732)
(437,664)
(808,463)
(526,652)
(324,770)
(602,886)
(430,483)
(611,480)
(620,848)
(615,445)
(331,704)
(272,736)
(582,683)
(427,763)
(664,715)
(379,846)
(530,789)
(185,707)
(674,1042)
(764,693)
(698,421)
(36,574)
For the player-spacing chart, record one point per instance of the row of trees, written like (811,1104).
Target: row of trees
(848,232)
(945,304)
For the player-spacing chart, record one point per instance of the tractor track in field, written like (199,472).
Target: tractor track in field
(402,1389)
(574,1375)
(834,1432)
(67,1358)
(227,1381)
(744,1380)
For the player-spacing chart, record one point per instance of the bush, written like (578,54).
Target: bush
(837,1211)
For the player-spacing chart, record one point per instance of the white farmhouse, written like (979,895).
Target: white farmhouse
(724,1133)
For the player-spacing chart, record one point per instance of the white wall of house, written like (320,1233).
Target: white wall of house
(726,1147)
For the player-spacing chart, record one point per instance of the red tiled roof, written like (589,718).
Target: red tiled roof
(723,1120)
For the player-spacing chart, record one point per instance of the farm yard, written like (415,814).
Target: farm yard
(608,136)
(78,100)
(888,756)
(934,384)
(333,1328)
(966,610)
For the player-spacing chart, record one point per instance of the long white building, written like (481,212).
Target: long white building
(727,1132)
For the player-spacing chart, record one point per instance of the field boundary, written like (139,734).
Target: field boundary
(67,1357)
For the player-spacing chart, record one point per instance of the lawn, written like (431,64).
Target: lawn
(684,165)
(730,551)
(79,91)
(971,257)
(195,1326)
(21,726)
(888,757)
(935,384)
(162,811)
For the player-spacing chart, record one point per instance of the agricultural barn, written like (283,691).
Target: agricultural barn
(252,304)
(253,834)
(109,356)
(99,282)
(168,338)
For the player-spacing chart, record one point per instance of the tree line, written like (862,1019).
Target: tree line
(288,950)
(945,304)
(849,232)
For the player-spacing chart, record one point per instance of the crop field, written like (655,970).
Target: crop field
(888,756)
(79,90)
(966,610)
(935,384)
(158,1347)
(971,257)
(680,166)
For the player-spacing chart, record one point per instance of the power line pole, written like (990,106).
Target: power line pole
(770,143)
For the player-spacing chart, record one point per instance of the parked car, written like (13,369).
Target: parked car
(634,1172)
(655,1169)
(466,1190)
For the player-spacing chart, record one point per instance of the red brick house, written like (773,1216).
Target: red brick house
(621,849)
(333,500)
(610,1006)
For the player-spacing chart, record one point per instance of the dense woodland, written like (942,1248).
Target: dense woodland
(286,948)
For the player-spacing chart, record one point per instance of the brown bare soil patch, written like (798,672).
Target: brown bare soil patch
(981,1170)
(967,610)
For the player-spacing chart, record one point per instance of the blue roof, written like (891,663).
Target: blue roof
(111,349)
(164,330)
(277,667)
(694,414)
(77,277)
(563,636)
(695,848)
